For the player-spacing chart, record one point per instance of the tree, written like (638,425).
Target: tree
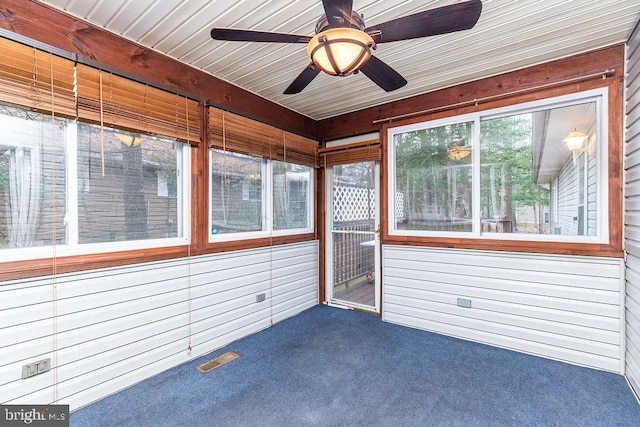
(507,146)
(436,189)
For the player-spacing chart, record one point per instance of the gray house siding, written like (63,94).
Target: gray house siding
(632,211)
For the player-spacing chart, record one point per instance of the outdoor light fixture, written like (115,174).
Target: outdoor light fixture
(577,141)
(129,140)
(341,51)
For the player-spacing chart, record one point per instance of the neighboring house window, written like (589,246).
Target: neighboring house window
(167,183)
(554,203)
(580,216)
(291,196)
(500,173)
(52,187)
(254,197)
(32,179)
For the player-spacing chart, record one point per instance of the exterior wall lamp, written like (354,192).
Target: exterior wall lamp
(577,141)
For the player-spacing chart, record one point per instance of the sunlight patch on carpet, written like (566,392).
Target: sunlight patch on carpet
(217,362)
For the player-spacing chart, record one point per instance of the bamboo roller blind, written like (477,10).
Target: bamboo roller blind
(232,132)
(351,153)
(46,83)
(129,105)
(36,80)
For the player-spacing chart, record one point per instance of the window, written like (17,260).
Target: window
(90,161)
(434,178)
(506,173)
(125,203)
(32,179)
(237,193)
(240,208)
(40,203)
(291,196)
(167,185)
(260,179)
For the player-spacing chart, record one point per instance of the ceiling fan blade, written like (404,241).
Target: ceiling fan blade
(338,12)
(382,74)
(231,34)
(441,20)
(303,80)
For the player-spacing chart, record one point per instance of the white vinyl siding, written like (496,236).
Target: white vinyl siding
(561,307)
(591,208)
(567,199)
(632,210)
(115,327)
(565,204)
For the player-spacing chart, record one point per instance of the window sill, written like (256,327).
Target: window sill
(560,248)
(17,270)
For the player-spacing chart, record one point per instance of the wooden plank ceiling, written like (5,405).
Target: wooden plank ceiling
(509,35)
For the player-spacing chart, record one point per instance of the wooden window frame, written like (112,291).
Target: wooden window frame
(33,29)
(231,132)
(612,248)
(198,245)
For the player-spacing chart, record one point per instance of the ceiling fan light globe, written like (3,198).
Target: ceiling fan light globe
(340,51)
(129,140)
(458,153)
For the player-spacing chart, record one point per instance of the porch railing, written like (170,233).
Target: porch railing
(353,249)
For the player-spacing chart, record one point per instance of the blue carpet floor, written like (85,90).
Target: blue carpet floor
(332,367)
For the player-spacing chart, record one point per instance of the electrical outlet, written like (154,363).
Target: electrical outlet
(35,368)
(463,302)
(260,297)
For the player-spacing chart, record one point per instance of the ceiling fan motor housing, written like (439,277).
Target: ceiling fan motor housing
(324,23)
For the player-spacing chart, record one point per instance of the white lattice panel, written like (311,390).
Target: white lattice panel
(399,206)
(353,203)
(372,203)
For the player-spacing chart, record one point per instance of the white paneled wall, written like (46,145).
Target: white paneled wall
(561,307)
(108,329)
(632,210)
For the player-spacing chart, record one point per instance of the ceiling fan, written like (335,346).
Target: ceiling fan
(343,45)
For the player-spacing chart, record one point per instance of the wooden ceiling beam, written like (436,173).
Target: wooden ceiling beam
(570,68)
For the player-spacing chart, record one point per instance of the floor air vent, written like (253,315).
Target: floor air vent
(217,362)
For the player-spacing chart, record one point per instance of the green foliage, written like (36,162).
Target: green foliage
(4,176)
(427,177)
(436,188)
(506,145)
